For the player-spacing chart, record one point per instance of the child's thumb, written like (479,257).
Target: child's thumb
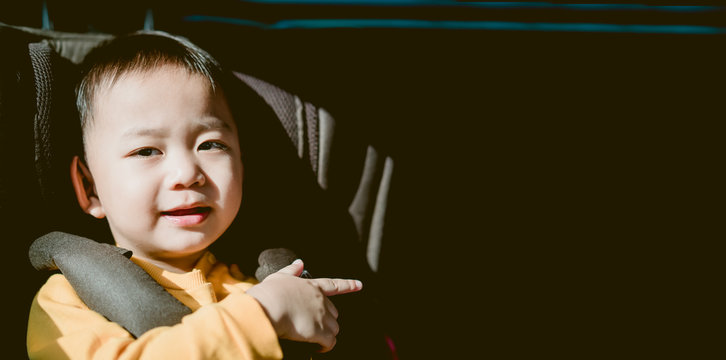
(294,269)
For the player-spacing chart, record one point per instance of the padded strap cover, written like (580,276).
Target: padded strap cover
(108,282)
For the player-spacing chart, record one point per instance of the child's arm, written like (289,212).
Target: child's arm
(298,308)
(239,327)
(62,326)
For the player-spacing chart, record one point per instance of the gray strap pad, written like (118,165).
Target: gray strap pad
(108,282)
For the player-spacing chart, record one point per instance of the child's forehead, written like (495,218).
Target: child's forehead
(163,79)
(166,72)
(149,90)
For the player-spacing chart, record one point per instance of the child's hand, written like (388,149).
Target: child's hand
(298,308)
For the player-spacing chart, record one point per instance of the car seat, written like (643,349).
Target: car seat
(300,176)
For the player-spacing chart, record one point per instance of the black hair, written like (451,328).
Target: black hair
(139,52)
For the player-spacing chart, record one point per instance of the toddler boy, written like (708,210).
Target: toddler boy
(163,166)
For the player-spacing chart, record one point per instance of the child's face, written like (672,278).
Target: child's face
(164,156)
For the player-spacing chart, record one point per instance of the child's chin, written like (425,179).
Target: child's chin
(187,241)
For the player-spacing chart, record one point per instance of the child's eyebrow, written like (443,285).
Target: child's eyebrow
(207,123)
(144,131)
(213,123)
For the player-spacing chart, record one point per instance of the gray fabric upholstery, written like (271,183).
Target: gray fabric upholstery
(273,260)
(108,282)
(313,132)
(39,121)
(70,46)
(40,54)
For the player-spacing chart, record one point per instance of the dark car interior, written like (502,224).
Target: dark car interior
(481,166)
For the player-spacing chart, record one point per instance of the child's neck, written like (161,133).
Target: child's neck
(175,265)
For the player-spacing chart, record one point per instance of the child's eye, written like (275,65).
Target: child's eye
(212,145)
(146,152)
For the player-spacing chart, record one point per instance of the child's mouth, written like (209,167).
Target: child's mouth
(187,217)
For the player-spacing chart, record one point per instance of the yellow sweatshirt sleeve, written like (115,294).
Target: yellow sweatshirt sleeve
(61,326)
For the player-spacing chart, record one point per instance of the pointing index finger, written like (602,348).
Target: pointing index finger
(332,287)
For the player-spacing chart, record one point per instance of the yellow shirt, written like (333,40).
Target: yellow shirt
(226,323)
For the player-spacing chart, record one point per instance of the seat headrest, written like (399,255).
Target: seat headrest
(39,121)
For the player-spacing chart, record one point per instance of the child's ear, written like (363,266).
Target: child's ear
(85,189)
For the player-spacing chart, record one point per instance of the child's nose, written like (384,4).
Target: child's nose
(186,172)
